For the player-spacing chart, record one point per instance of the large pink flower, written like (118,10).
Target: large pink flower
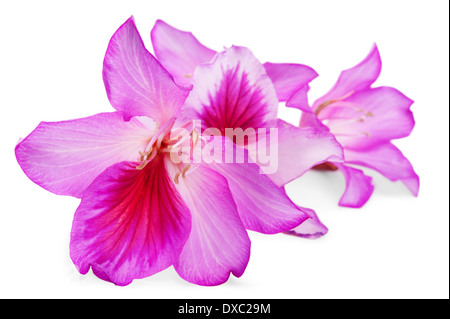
(364,120)
(141,211)
(233,90)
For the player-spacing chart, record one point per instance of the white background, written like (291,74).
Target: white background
(397,246)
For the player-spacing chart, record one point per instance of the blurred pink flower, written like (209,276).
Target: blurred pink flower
(364,120)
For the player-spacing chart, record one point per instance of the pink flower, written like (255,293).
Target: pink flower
(140,210)
(232,89)
(364,120)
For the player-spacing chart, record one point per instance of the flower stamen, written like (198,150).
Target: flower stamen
(175,179)
(147,157)
(326,103)
(182,173)
(185,169)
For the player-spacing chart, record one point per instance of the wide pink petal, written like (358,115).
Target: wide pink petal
(178,51)
(312,228)
(130,223)
(233,91)
(262,205)
(218,244)
(358,186)
(136,83)
(65,157)
(389,161)
(299,149)
(370,117)
(288,78)
(357,78)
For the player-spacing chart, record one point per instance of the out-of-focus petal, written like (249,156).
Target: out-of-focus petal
(233,91)
(370,117)
(288,78)
(389,161)
(298,150)
(412,183)
(309,119)
(65,157)
(358,187)
(178,51)
(312,228)
(130,223)
(218,244)
(136,83)
(359,77)
(299,100)
(262,205)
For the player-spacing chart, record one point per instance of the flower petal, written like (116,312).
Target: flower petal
(358,187)
(218,244)
(233,91)
(262,205)
(389,161)
(130,223)
(359,77)
(299,149)
(65,157)
(370,117)
(136,83)
(288,78)
(309,119)
(312,228)
(299,100)
(412,183)
(179,51)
